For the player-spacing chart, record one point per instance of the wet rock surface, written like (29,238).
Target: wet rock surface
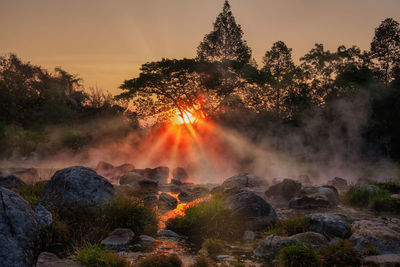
(332,225)
(11,182)
(315,197)
(19,230)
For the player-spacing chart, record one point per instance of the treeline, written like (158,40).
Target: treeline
(345,98)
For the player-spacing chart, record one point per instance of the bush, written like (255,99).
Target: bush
(207,219)
(341,253)
(32,192)
(202,261)
(74,228)
(390,186)
(298,255)
(385,203)
(160,261)
(213,246)
(98,256)
(289,227)
(357,196)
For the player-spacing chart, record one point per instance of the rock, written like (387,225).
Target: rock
(235,183)
(77,187)
(338,182)
(190,193)
(104,168)
(147,241)
(180,174)
(382,234)
(269,247)
(119,237)
(252,210)
(314,239)
(130,178)
(176,181)
(167,233)
(163,173)
(329,225)
(370,187)
(284,190)
(111,172)
(147,184)
(47,259)
(11,182)
(125,168)
(382,260)
(43,216)
(186,196)
(249,235)
(315,197)
(19,230)
(395,196)
(167,201)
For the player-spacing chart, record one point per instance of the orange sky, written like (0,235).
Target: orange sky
(106,41)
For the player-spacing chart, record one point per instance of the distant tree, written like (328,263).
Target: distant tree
(225,42)
(385,48)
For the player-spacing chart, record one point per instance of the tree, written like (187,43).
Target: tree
(225,41)
(385,48)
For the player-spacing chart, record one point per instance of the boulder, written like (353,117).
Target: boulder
(235,183)
(125,168)
(339,183)
(316,240)
(19,230)
(283,191)
(11,182)
(147,184)
(77,187)
(43,216)
(315,197)
(176,181)
(190,193)
(130,178)
(252,210)
(47,259)
(119,237)
(167,201)
(180,174)
(330,225)
(381,234)
(163,173)
(167,233)
(382,260)
(105,168)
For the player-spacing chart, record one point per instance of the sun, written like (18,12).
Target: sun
(185,118)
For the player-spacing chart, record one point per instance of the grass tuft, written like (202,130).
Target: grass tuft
(341,253)
(160,261)
(32,192)
(94,255)
(213,246)
(289,227)
(298,255)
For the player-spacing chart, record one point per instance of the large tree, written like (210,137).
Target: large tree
(225,41)
(385,48)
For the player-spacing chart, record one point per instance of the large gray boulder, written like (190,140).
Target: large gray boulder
(252,210)
(283,191)
(315,197)
(19,230)
(381,234)
(238,182)
(11,182)
(330,225)
(76,187)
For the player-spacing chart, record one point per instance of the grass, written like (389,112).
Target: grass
(32,192)
(160,261)
(289,227)
(202,261)
(98,256)
(341,253)
(380,200)
(213,246)
(298,255)
(75,228)
(390,186)
(207,219)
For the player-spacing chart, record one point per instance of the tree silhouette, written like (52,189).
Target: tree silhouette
(225,41)
(385,47)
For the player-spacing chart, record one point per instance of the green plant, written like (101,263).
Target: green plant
(94,255)
(32,192)
(160,261)
(202,261)
(390,186)
(213,246)
(385,203)
(298,255)
(371,251)
(207,219)
(341,253)
(289,227)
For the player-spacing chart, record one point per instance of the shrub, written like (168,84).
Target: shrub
(289,227)
(32,192)
(390,186)
(341,253)
(202,261)
(213,246)
(385,203)
(98,256)
(207,219)
(160,261)
(298,255)
(357,196)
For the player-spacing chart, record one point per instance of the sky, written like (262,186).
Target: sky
(105,41)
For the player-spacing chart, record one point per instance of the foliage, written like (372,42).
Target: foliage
(207,219)
(202,261)
(385,203)
(298,255)
(390,186)
(94,255)
(341,253)
(213,246)
(160,261)
(225,41)
(32,192)
(289,227)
